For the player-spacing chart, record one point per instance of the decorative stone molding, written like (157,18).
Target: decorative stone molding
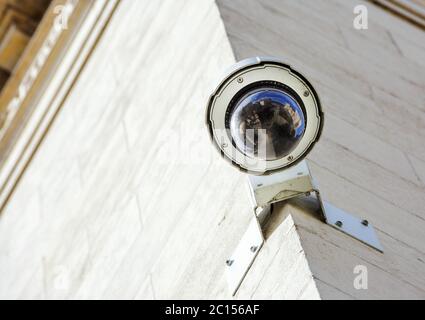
(40,83)
(18,21)
(38,62)
(410,10)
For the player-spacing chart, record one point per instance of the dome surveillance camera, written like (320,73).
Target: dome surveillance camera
(264,116)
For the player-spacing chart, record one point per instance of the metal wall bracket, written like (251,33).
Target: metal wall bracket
(266,190)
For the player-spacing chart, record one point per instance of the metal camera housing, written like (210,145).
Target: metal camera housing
(280,88)
(265,117)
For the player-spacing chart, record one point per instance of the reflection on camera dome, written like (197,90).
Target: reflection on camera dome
(267,123)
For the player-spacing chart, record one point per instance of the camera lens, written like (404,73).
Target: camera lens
(267,123)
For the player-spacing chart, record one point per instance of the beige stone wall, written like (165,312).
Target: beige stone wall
(114,204)
(96,213)
(371,158)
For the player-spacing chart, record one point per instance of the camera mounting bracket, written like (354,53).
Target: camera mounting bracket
(296,181)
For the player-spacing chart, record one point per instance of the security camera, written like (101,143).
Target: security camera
(264,116)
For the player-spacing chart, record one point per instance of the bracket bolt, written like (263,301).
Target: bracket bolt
(338,224)
(229,262)
(365,223)
(254,249)
(258,210)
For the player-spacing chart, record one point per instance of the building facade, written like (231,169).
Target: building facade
(111,188)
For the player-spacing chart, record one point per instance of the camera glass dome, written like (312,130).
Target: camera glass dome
(266,122)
